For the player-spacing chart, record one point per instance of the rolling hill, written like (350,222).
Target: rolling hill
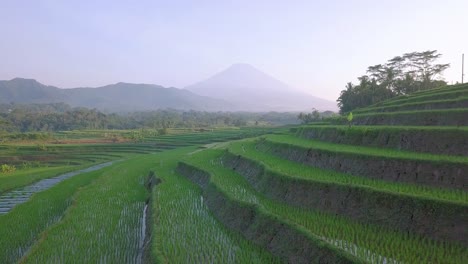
(119,97)
(240,87)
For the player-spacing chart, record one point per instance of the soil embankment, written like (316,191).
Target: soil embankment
(410,118)
(430,173)
(403,213)
(278,237)
(436,141)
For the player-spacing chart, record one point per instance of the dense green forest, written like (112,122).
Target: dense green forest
(60,117)
(405,74)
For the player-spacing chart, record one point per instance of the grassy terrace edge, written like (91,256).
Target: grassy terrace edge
(369,151)
(281,238)
(28,220)
(105,222)
(248,149)
(207,240)
(444,117)
(343,233)
(459,102)
(443,140)
(417,168)
(366,204)
(443,92)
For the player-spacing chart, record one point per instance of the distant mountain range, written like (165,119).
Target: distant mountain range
(119,97)
(241,87)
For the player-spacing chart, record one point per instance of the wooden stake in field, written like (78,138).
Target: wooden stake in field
(463,66)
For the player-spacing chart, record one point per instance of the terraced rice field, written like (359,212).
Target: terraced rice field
(9,200)
(447,106)
(384,192)
(340,194)
(185,230)
(370,243)
(94,215)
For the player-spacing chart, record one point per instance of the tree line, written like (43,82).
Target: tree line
(400,75)
(62,117)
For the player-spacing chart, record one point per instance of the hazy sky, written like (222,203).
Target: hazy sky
(316,46)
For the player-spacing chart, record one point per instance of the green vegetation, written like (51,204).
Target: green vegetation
(424,105)
(366,151)
(24,177)
(436,140)
(38,119)
(5,168)
(401,75)
(23,226)
(444,93)
(68,215)
(248,149)
(186,231)
(372,243)
(439,117)
(445,129)
(105,222)
(445,106)
(314,117)
(182,193)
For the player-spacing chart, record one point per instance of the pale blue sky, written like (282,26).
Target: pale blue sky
(315,46)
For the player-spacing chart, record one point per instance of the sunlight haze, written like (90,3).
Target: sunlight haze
(315,46)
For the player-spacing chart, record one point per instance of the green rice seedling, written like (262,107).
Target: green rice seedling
(22,226)
(430,104)
(429,96)
(25,177)
(443,140)
(184,230)
(370,243)
(367,151)
(105,221)
(102,222)
(438,117)
(247,148)
(442,93)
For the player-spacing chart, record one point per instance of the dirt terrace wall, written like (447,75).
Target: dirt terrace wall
(428,118)
(438,174)
(449,118)
(437,94)
(418,106)
(451,142)
(281,239)
(433,219)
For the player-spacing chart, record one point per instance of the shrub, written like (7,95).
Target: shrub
(350,118)
(5,168)
(163,131)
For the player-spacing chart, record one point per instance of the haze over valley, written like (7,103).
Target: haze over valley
(241,87)
(232,132)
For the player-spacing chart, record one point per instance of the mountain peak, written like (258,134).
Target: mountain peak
(242,65)
(245,70)
(253,89)
(23,80)
(226,83)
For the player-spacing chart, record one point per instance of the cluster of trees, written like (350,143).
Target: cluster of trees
(314,116)
(49,117)
(62,117)
(401,75)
